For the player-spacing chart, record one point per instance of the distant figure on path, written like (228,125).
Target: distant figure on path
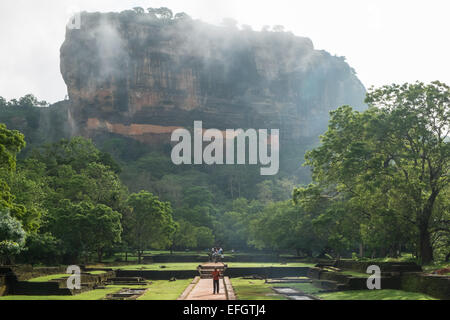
(216,277)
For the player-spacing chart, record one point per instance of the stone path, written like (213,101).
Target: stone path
(201,288)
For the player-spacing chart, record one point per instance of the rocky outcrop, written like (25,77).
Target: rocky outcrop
(141,77)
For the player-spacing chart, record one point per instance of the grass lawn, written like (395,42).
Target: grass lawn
(88,295)
(165,290)
(97,272)
(386,294)
(132,257)
(307,288)
(194,265)
(158,290)
(435,266)
(268,264)
(157,266)
(254,290)
(258,290)
(49,277)
(355,274)
(59,275)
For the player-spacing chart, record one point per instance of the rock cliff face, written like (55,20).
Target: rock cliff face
(141,77)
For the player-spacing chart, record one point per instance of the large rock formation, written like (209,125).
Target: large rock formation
(139,76)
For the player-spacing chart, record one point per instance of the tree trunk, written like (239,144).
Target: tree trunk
(126,256)
(100,255)
(425,248)
(361,250)
(139,256)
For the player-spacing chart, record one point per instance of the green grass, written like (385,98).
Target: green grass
(59,275)
(157,266)
(97,272)
(262,264)
(194,265)
(254,290)
(307,288)
(405,257)
(435,266)
(165,290)
(258,290)
(49,277)
(88,295)
(158,290)
(132,257)
(386,294)
(354,274)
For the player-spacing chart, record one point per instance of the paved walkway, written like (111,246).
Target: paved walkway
(203,290)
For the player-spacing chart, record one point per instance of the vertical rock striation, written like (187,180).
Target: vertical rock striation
(139,76)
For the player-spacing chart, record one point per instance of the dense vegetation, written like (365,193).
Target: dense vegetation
(379,187)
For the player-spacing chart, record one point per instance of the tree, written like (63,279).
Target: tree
(416,151)
(205,237)
(139,10)
(398,148)
(11,142)
(78,171)
(161,13)
(3,102)
(85,227)
(42,248)
(182,16)
(12,236)
(151,222)
(278,28)
(105,227)
(184,236)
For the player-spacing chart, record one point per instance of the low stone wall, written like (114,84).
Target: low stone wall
(3,286)
(158,274)
(268,272)
(433,285)
(204,257)
(14,286)
(229,291)
(174,258)
(361,266)
(39,289)
(26,272)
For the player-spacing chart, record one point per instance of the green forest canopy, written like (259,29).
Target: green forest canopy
(379,187)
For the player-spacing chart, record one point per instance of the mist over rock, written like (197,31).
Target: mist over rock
(140,76)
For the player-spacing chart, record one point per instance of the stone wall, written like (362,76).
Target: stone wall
(361,266)
(433,285)
(158,275)
(268,272)
(26,272)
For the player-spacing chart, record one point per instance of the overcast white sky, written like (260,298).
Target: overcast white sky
(384,41)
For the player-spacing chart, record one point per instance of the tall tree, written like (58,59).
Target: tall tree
(151,222)
(399,148)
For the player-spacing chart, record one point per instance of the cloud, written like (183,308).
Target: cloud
(385,41)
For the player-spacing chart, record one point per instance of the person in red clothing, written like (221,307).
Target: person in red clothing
(216,277)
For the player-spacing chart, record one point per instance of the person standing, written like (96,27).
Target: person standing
(216,277)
